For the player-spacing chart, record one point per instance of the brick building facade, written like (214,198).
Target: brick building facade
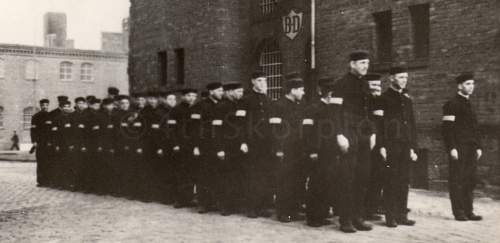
(182,43)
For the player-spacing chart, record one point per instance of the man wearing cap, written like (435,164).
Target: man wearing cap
(286,121)
(231,170)
(79,155)
(463,146)
(259,167)
(399,146)
(113,92)
(168,127)
(186,119)
(95,169)
(55,162)
(320,141)
(373,199)
(355,147)
(109,124)
(153,181)
(65,147)
(39,137)
(211,147)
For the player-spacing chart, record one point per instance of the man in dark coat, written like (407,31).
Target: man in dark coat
(261,164)
(400,144)
(186,120)
(463,146)
(39,137)
(355,140)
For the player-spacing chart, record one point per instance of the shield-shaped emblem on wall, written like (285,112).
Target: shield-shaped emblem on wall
(292,24)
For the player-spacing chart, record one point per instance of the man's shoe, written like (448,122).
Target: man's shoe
(318,223)
(225,212)
(474,217)
(252,214)
(361,225)
(264,214)
(285,218)
(347,228)
(403,220)
(461,217)
(390,222)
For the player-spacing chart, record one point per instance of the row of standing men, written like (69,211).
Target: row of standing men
(237,151)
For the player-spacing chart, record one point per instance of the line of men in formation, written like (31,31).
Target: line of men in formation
(238,151)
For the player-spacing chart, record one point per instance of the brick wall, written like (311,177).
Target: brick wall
(223,40)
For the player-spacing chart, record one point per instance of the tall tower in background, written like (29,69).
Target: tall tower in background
(55,25)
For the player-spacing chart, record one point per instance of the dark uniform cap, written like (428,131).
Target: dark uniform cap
(258,74)
(372,77)
(123,97)
(359,55)
(78,99)
(232,86)
(294,83)
(107,101)
(214,85)
(188,90)
(94,101)
(396,70)
(65,102)
(90,97)
(62,98)
(464,77)
(113,91)
(326,84)
(139,94)
(44,101)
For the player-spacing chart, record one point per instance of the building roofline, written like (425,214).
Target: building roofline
(49,51)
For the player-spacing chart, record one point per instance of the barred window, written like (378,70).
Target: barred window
(86,72)
(65,71)
(31,70)
(270,63)
(2,68)
(28,113)
(1,117)
(268,6)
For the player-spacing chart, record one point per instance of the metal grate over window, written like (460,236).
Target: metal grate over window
(270,63)
(268,6)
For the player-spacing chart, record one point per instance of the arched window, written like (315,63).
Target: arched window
(31,70)
(270,63)
(65,71)
(268,6)
(1,117)
(86,72)
(28,113)
(2,68)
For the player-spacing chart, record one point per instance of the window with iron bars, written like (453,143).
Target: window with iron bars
(268,6)
(270,63)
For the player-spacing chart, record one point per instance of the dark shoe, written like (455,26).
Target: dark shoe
(203,210)
(252,214)
(264,214)
(391,223)
(474,217)
(318,223)
(361,225)
(461,217)
(285,218)
(225,212)
(347,228)
(406,221)
(298,217)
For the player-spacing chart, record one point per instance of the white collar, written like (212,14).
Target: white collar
(465,96)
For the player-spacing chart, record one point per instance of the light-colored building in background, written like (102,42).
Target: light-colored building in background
(30,73)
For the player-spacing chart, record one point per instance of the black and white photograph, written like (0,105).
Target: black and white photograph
(250,121)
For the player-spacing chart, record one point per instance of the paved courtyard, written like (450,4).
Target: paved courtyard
(31,214)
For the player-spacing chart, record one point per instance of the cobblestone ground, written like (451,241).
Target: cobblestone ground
(31,214)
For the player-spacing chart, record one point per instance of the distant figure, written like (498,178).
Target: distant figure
(15,142)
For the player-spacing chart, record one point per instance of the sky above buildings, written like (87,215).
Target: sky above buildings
(21,21)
